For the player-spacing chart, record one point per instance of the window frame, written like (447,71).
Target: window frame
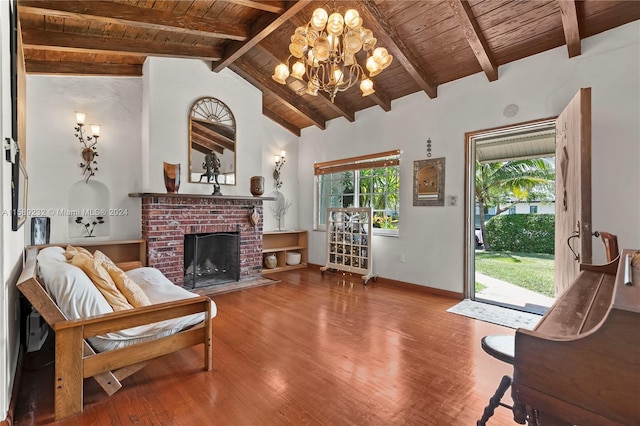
(355,164)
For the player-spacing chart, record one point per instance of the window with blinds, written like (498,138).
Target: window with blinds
(365,181)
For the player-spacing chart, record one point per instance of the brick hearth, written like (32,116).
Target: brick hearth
(167,218)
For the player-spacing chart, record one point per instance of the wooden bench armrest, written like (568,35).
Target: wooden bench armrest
(30,270)
(34,291)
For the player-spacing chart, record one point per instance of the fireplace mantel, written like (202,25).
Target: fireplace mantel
(173,195)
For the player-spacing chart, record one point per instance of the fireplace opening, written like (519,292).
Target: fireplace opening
(211,259)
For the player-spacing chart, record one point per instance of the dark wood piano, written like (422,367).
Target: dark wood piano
(581,364)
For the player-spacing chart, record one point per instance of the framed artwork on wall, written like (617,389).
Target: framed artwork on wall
(428,182)
(40,230)
(18,81)
(13,52)
(19,186)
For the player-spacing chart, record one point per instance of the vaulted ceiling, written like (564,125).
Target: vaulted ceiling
(432,41)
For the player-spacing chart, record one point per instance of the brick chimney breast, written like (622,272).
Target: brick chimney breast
(166,219)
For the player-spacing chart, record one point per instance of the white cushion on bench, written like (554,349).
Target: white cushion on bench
(71,289)
(77,297)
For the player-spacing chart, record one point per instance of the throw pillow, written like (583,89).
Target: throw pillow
(98,255)
(72,251)
(125,266)
(132,291)
(101,278)
(71,289)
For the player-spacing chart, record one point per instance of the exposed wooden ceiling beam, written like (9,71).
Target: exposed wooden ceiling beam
(34,66)
(202,130)
(267,85)
(473,33)
(267,6)
(570,26)
(204,145)
(52,40)
(381,98)
(147,18)
(377,22)
(278,120)
(338,106)
(259,32)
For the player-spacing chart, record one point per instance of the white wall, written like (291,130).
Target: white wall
(55,178)
(543,208)
(12,241)
(431,238)
(276,139)
(171,86)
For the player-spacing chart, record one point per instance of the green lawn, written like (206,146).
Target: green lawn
(529,270)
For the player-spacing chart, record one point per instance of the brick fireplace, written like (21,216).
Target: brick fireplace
(167,218)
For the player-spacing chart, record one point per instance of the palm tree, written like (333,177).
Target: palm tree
(498,184)
(379,190)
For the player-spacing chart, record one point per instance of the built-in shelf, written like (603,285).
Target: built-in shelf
(174,195)
(282,242)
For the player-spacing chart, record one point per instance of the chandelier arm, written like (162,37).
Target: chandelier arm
(354,77)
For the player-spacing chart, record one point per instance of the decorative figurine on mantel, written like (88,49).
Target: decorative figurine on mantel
(211,167)
(171,177)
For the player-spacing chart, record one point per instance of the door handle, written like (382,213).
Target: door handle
(574,234)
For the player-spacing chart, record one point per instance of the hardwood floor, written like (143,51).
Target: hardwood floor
(308,350)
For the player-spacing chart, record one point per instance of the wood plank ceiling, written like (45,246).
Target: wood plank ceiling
(432,41)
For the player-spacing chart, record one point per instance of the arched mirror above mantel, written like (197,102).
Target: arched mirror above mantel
(212,142)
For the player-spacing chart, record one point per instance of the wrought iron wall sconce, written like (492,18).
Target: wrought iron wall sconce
(89,146)
(280,160)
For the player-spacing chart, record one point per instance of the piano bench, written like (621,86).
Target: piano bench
(502,348)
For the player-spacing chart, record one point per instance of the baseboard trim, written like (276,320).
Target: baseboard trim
(388,282)
(15,389)
(420,288)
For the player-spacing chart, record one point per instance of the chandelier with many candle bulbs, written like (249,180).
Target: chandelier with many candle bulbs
(325,50)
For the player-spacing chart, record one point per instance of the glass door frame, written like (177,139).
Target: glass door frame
(470,196)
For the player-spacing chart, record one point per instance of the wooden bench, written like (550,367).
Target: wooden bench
(75,360)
